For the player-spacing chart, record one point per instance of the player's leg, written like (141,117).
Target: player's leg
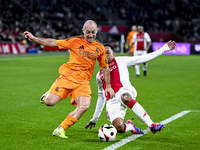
(81,96)
(144,64)
(116,113)
(82,103)
(137,66)
(119,124)
(136,108)
(55,93)
(123,127)
(68,122)
(128,100)
(52,99)
(60,131)
(145,69)
(137,70)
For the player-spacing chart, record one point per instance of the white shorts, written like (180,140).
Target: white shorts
(115,108)
(139,53)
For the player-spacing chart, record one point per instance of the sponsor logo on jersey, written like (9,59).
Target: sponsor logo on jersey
(111,68)
(88,55)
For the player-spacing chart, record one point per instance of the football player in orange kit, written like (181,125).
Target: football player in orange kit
(130,39)
(75,75)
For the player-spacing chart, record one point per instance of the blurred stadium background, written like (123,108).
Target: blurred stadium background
(178,20)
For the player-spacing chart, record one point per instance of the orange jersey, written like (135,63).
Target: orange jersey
(130,37)
(83,56)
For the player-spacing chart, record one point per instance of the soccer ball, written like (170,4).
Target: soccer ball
(107,132)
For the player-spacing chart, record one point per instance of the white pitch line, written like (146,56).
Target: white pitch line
(133,137)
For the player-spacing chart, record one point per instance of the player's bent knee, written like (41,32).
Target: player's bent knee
(126,98)
(49,103)
(119,125)
(52,99)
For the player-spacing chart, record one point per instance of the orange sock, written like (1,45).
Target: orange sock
(68,122)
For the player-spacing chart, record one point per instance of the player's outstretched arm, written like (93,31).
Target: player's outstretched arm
(171,44)
(130,61)
(41,41)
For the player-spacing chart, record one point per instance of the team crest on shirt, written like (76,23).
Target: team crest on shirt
(97,50)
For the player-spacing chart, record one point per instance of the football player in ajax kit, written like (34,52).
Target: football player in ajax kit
(125,93)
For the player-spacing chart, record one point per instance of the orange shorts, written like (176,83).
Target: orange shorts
(132,49)
(65,88)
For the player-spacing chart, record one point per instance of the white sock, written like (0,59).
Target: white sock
(137,69)
(145,67)
(128,127)
(142,114)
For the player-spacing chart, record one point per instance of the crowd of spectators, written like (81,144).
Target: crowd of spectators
(64,18)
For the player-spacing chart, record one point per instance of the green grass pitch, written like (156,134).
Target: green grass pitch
(172,85)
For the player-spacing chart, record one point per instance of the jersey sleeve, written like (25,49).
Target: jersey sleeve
(147,37)
(100,101)
(129,36)
(63,44)
(130,61)
(102,59)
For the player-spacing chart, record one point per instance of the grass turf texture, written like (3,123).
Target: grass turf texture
(172,85)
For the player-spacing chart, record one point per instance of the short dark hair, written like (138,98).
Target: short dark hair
(110,47)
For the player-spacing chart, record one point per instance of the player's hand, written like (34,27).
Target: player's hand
(28,35)
(171,45)
(90,124)
(110,91)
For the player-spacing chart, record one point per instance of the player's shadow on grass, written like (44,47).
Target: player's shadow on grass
(90,135)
